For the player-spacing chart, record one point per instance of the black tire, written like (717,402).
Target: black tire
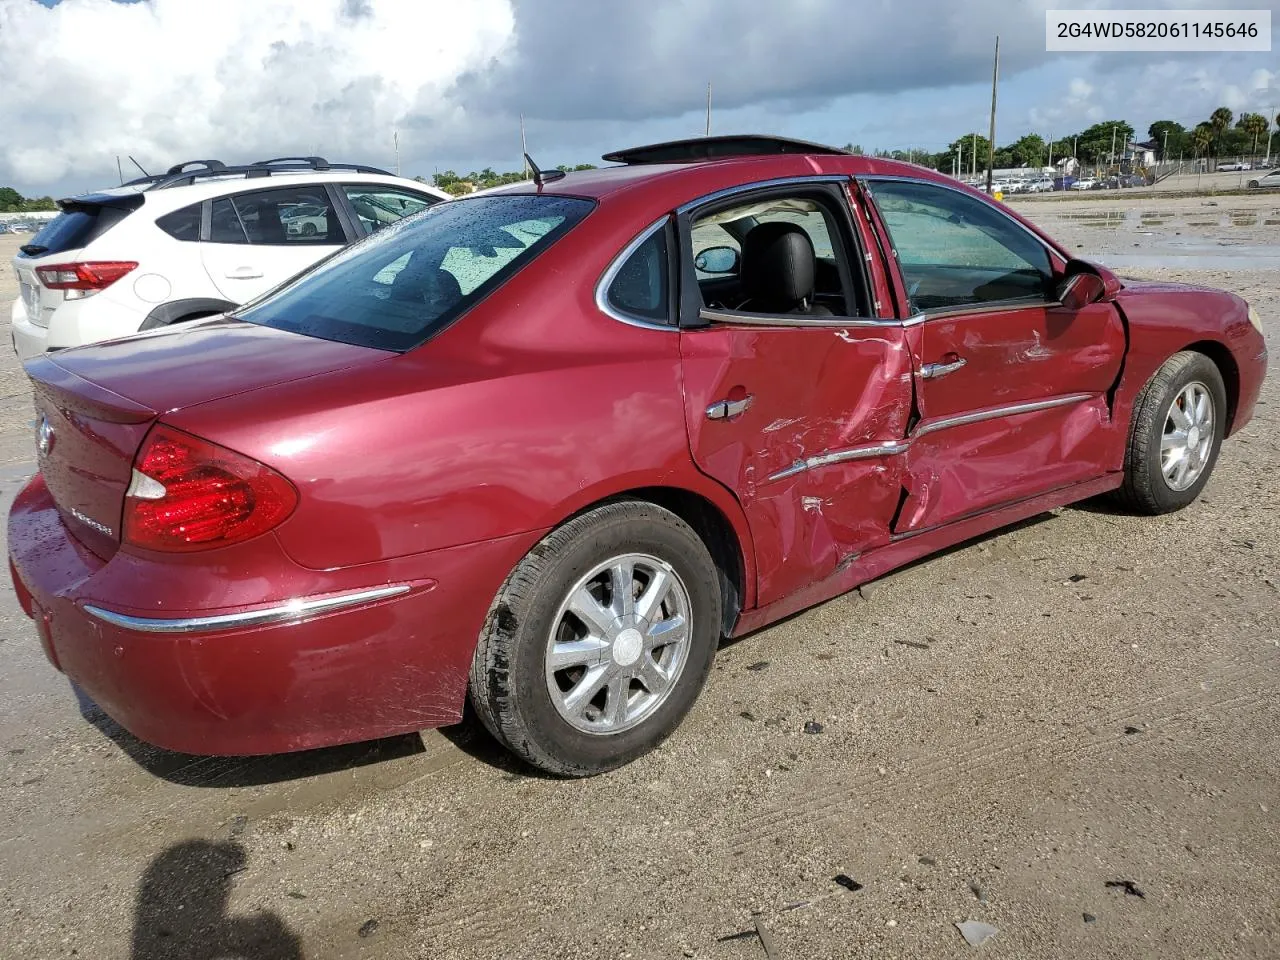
(1145,489)
(508,683)
(309,229)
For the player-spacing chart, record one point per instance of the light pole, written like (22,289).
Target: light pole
(991,146)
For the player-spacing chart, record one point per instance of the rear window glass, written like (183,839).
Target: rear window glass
(73,230)
(182,224)
(410,279)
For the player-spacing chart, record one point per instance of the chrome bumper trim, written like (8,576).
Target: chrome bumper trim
(284,613)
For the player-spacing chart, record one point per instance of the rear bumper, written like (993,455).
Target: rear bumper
(361,668)
(28,339)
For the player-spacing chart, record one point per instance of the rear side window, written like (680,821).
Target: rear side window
(379,206)
(284,217)
(182,224)
(409,280)
(73,230)
(641,287)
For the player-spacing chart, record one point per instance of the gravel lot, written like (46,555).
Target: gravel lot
(1007,730)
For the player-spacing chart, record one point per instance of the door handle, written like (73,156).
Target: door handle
(932,371)
(727,409)
(244,273)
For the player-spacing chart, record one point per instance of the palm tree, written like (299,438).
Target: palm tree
(1256,126)
(1219,120)
(1201,138)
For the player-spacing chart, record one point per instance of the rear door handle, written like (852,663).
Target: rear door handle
(727,409)
(244,273)
(932,371)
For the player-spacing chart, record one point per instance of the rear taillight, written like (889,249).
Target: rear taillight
(189,494)
(84,278)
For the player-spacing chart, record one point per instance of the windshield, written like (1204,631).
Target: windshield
(398,287)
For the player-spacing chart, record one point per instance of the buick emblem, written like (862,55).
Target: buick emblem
(44,437)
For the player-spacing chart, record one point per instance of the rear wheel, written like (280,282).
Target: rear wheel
(600,640)
(1179,420)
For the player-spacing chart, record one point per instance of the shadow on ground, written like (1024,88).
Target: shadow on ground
(223,772)
(182,910)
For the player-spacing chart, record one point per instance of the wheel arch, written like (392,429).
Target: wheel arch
(175,310)
(1223,359)
(727,541)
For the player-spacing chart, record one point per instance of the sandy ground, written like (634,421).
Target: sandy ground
(1007,730)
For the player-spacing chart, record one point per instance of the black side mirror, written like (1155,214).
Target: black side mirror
(717,260)
(1081,289)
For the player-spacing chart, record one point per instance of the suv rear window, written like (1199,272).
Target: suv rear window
(398,287)
(73,230)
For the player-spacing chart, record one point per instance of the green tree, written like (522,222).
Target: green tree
(854,148)
(1202,139)
(585,166)
(10,200)
(1253,125)
(1096,142)
(1219,122)
(1028,151)
(38,204)
(442,180)
(1168,132)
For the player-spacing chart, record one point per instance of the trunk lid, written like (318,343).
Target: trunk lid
(94,405)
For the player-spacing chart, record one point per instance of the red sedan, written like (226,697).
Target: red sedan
(544,447)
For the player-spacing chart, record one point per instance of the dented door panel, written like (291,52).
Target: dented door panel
(1017,405)
(804,457)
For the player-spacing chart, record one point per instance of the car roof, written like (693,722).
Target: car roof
(181,195)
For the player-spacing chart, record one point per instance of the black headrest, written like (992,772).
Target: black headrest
(777,264)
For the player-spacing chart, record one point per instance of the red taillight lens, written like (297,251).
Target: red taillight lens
(96,275)
(196,495)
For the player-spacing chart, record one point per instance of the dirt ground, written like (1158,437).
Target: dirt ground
(1010,733)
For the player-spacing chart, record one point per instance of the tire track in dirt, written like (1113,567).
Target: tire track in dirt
(1236,687)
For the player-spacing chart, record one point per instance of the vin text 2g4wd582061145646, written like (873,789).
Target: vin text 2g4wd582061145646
(544,447)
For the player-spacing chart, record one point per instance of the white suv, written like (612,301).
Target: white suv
(201,239)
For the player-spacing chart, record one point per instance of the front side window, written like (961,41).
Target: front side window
(378,206)
(954,250)
(640,288)
(282,217)
(772,254)
(409,280)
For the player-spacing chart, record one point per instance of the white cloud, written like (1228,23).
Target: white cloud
(237,80)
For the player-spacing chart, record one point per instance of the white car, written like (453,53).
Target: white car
(1267,181)
(1085,183)
(199,240)
(1234,166)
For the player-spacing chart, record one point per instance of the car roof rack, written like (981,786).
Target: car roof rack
(716,148)
(179,176)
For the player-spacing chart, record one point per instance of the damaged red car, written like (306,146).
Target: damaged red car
(544,447)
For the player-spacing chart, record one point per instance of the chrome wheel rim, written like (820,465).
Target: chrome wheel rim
(1188,436)
(618,644)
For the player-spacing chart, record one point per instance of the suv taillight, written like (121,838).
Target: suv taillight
(189,494)
(86,278)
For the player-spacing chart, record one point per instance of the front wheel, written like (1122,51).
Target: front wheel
(600,640)
(1179,420)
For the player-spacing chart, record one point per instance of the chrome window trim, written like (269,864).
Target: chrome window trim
(611,273)
(892,447)
(811,180)
(992,306)
(284,613)
(799,320)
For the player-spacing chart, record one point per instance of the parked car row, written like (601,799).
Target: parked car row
(543,447)
(198,240)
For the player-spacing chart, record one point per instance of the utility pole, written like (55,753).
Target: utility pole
(991,146)
(1050,163)
(708,108)
(1164,150)
(1112,159)
(524,149)
(395,138)
(973,160)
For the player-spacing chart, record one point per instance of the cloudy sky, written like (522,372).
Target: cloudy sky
(239,80)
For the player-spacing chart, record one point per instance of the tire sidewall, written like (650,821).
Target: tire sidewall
(1200,369)
(548,733)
